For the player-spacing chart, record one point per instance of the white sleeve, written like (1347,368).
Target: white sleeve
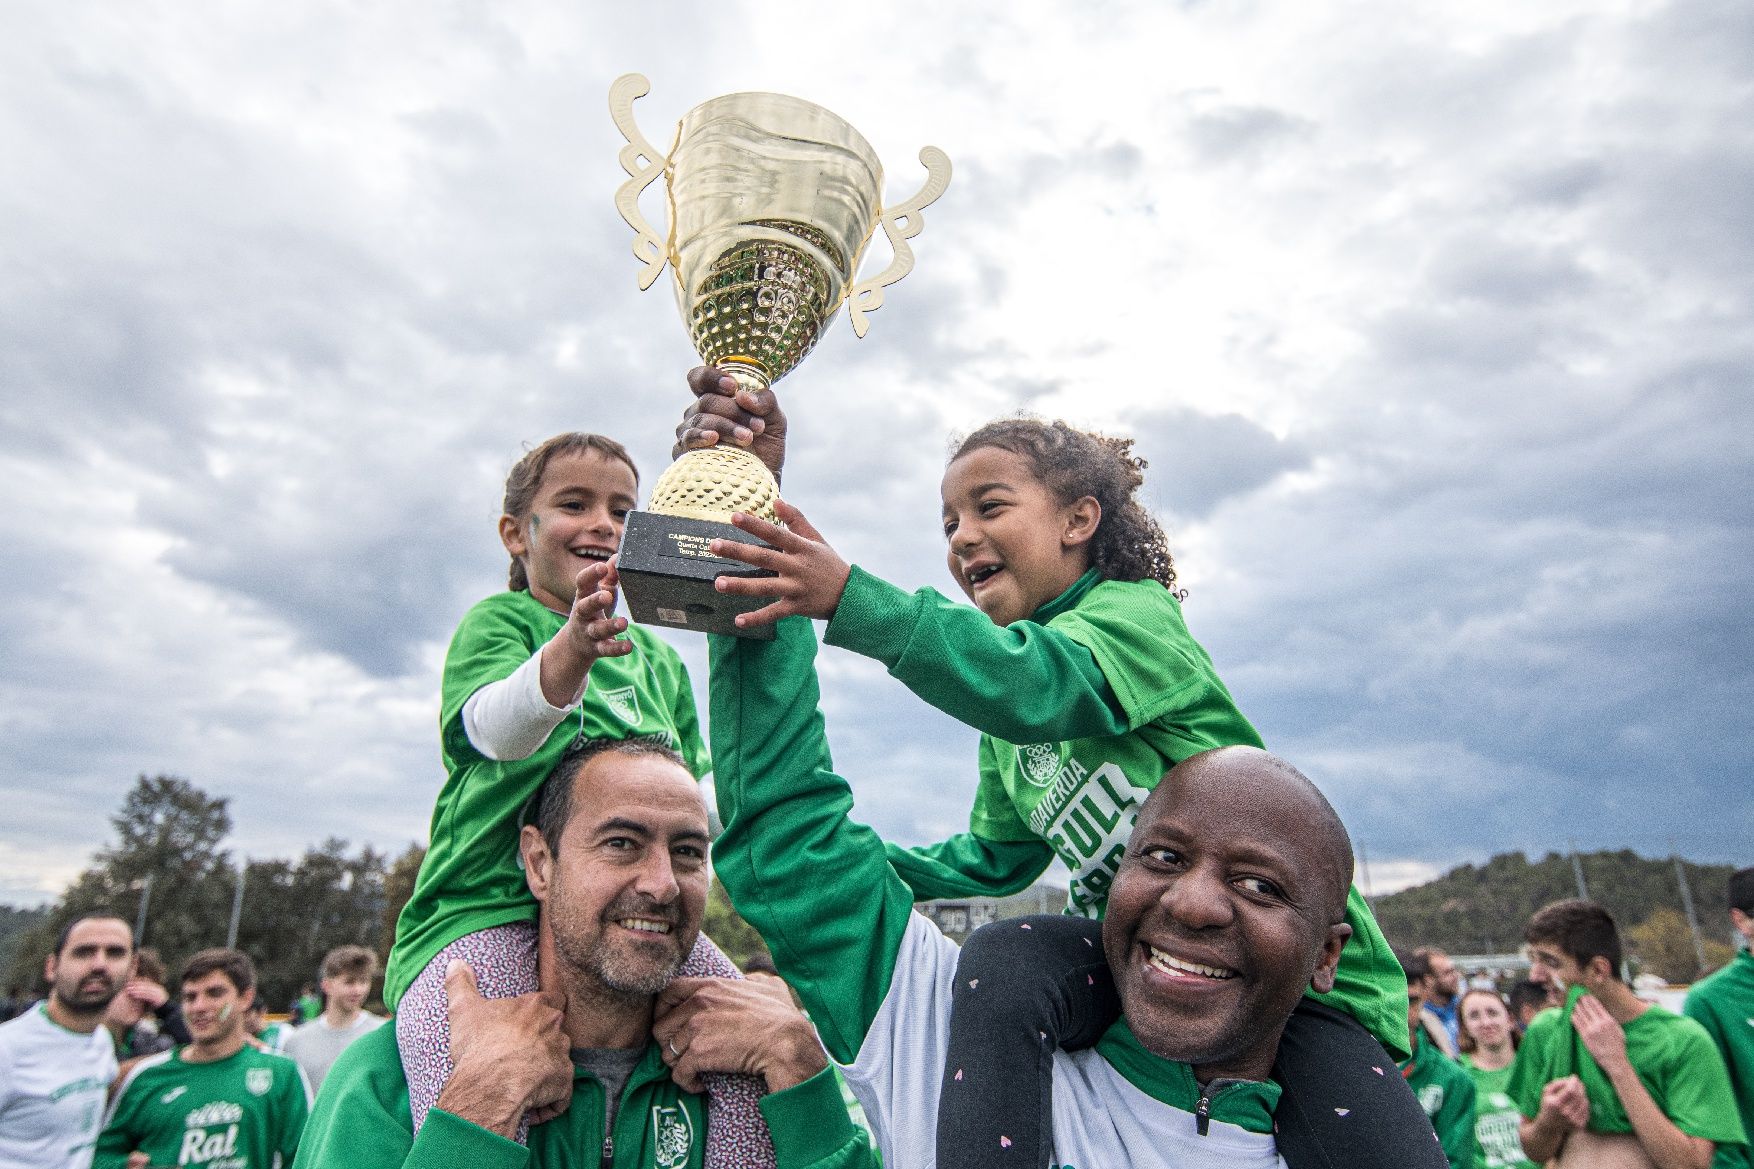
(510,718)
(897,1074)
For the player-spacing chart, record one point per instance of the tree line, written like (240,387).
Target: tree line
(169,860)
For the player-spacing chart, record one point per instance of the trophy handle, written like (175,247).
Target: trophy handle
(641,160)
(900,224)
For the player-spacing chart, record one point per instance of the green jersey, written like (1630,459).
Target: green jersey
(1674,1058)
(1497,1123)
(1447,1094)
(362,1119)
(242,1112)
(1724,1005)
(471,879)
(1082,710)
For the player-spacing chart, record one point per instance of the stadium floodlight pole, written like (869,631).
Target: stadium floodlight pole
(237,906)
(140,915)
(1364,874)
(1687,905)
(1583,890)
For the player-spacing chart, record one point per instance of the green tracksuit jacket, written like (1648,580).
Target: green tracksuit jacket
(361,1119)
(1446,1091)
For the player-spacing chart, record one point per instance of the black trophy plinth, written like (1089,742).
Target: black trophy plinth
(667,575)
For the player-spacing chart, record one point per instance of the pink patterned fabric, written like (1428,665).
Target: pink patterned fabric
(504,961)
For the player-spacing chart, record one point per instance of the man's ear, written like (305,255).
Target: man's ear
(1598,971)
(511,534)
(537,860)
(245,998)
(1744,924)
(49,965)
(1322,981)
(1083,517)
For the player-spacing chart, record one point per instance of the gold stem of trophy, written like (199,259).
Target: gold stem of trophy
(772,202)
(713,482)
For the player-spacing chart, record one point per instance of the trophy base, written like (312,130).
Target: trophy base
(667,575)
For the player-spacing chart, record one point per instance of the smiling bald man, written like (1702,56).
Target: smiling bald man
(1228,905)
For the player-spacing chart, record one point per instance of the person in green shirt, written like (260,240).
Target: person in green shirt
(215,1100)
(1724,1005)
(530,672)
(609,1058)
(1609,1079)
(1443,1089)
(1488,1043)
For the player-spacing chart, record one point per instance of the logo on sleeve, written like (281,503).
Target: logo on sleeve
(672,1136)
(173,1093)
(259,1080)
(624,703)
(1431,1098)
(1039,763)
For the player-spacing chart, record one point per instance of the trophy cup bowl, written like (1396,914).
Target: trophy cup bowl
(772,202)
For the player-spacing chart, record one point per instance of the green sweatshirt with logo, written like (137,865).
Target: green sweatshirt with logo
(361,1118)
(1081,709)
(1447,1093)
(245,1111)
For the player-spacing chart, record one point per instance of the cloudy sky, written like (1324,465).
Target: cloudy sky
(1435,321)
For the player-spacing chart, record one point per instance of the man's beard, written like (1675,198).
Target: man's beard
(85,1001)
(622,967)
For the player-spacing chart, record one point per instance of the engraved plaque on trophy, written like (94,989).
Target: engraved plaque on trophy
(772,201)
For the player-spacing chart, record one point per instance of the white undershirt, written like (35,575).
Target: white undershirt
(510,718)
(52,1085)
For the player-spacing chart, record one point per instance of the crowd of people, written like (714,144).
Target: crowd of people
(1218,994)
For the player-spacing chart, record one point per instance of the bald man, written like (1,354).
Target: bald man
(1228,904)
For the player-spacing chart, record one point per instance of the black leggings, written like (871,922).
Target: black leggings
(1026,987)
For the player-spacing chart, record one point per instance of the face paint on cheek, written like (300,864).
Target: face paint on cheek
(225,1012)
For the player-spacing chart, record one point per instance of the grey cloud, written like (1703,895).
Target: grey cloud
(1230,133)
(1200,460)
(263,385)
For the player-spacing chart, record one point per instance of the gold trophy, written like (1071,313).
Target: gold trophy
(772,201)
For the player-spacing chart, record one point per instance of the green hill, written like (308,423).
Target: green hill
(1481,909)
(14,925)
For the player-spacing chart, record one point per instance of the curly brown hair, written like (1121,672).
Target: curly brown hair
(1129,543)
(526,479)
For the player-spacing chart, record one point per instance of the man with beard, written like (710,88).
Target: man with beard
(56,1060)
(215,1100)
(1228,902)
(617,860)
(1443,994)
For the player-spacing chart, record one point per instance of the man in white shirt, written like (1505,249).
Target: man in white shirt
(57,1060)
(347,979)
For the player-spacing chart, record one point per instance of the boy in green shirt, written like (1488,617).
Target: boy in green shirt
(216,1100)
(1610,1078)
(1724,1005)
